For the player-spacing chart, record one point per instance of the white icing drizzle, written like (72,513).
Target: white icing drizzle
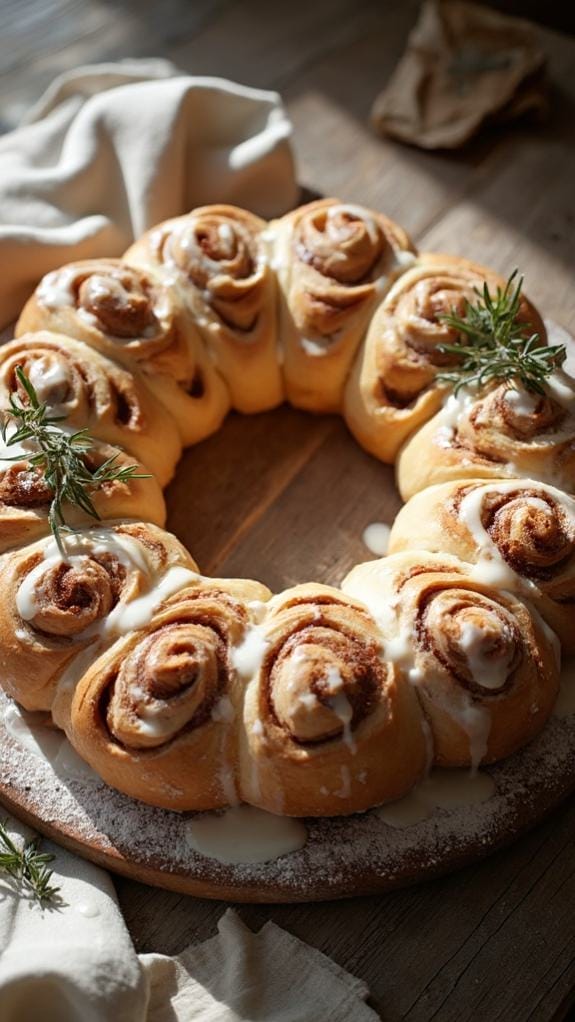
(124,617)
(487,671)
(322,344)
(399,648)
(55,289)
(11,452)
(247,658)
(226,233)
(451,414)
(561,387)
(224,711)
(48,377)
(68,764)
(340,704)
(31,731)
(316,348)
(491,568)
(521,400)
(88,909)
(404,258)
(376,538)
(476,722)
(257,609)
(443,789)
(244,834)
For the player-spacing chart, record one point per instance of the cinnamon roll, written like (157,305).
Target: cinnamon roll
(330,727)
(88,390)
(55,605)
(157,714)
(334,263)
(392,388)
(504,432)
(25,496)
(519,534)
(216,257)
(485,667)
(133,316)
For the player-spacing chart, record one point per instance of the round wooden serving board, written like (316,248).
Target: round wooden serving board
(283,497)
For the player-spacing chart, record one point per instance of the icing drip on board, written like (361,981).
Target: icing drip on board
(376,538)
(244,834)
(443,789)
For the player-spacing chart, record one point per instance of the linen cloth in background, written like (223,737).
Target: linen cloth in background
(76,963)
(464,65)
(112,149)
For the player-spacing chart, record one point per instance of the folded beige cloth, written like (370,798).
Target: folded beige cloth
(111,150)
(269,976)
(464,64)
(76,963)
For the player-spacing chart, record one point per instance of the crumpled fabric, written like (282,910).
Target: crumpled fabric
(464,65)
(113,149)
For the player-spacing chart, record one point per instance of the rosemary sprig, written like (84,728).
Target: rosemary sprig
(29,868)
(61,456)
(496,345)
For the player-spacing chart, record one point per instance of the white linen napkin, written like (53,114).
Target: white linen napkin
(76,963)
(113,149)
(71,963)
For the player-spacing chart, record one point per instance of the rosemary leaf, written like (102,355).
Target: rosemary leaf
(60,456)
(29,868)
(495,345)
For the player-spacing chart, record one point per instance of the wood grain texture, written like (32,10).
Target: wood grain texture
(284,496)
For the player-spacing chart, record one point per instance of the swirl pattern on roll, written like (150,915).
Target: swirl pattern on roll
(325,716)
(392,390)
(519,534)
(25,496)
(484,667)
(89,390)
(504,431)
(156,715)
(56,605)
(123,311)
(334,262)
(217,258)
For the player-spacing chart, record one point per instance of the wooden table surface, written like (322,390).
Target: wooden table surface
(285,497)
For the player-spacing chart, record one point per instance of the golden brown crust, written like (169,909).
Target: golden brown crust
(54,606)
(484,668)
(334,263)
(132,315)
(520,531)
(504,432)
(157,714)
(126,313)
(392,390)
(89,390)
(329,727)
(216,256)
(25,497)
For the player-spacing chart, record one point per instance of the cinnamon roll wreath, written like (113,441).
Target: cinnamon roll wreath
(192,693)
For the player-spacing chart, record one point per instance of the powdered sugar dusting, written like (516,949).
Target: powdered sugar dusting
(347,855)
